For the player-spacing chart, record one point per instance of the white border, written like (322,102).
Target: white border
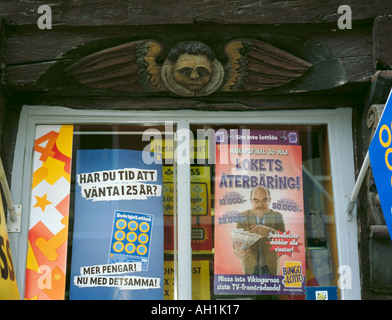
(339,124)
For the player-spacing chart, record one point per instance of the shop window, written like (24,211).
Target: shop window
(119,225)
(292,163)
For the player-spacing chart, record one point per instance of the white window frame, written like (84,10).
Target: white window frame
(340,140)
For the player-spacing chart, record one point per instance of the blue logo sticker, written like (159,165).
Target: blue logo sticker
(321,293)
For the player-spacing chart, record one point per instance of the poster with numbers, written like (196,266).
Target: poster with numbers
(259,213)
(117,247)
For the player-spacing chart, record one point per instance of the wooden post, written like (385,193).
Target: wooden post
(382,43)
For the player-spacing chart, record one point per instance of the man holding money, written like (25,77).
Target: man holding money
(258,259)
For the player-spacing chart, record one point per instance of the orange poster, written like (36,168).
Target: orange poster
(48,229)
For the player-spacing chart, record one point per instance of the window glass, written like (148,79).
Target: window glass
(305,246)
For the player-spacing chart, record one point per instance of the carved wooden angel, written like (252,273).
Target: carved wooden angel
(190,68)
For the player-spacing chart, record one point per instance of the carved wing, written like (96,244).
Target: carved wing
(255,65)
(128,67)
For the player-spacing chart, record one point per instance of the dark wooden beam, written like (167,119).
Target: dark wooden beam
(382,43)
(379,88)
(63,44)
(151,12)
(349,96)
(2,77)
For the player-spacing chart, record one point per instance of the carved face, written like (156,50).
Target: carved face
(192,71)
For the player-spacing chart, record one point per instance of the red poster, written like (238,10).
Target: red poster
(259,217)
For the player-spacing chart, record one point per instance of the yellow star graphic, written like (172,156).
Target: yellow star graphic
(42,202)
(57,277)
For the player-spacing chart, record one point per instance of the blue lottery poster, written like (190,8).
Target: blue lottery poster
(117,245)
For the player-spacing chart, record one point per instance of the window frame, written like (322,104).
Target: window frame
(339,125)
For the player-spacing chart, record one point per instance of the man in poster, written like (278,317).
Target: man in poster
(258,259)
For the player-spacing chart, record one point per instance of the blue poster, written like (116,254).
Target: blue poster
(117,245)
(380,151)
